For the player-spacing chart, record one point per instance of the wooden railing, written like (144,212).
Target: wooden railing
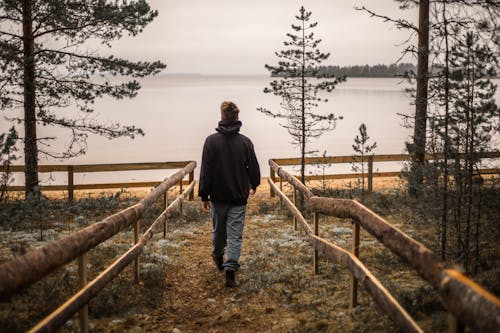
(466,300)
(33,266)
(369,160)
(71,170)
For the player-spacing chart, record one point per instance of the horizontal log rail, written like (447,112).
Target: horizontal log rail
(58,317)
(460,295)
(71,170)
(380,295)
(370,159)
(34,265)
(376,158)
(93,186)
(486,171)
(102,167)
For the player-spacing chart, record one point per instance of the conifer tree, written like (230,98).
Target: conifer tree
(362,148)
(298,83)
(46,65)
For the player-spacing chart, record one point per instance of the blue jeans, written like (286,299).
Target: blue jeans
(228,222)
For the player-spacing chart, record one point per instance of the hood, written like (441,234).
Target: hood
(229,127)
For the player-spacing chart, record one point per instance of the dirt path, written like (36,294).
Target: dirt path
(276,291)
(198,300)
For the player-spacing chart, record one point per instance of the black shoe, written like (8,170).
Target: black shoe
(230,282)
(219,262)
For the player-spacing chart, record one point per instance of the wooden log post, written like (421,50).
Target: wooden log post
(281,190)
(165,229)
(191,178)
(355,252)
(180,192)
(82,274)
(295,204)
(136,260)
(71,170)
(273,179)
(370,174)
(315,255)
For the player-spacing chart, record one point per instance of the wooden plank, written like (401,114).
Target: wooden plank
(370,174)
(355,252)
(41,168)
(190,180)
(25,270)
(316,233)
(92,186)
(82,275)
(294,199)
(376,158)
(129,166)
(273,178)
(103,167)
(70,182)
(352,175)
(489,171)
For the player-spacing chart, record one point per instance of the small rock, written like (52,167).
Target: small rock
(211,301)
(176,330)
(341,315)
(80,219)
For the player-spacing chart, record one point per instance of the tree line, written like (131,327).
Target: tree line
(379,70)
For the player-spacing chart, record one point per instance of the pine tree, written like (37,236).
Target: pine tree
(464,119)
(46,65)
(472,64)
(361,149)
(299,84)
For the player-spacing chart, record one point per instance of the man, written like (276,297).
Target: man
(229,173)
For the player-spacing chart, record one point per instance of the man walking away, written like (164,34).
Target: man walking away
(229,173)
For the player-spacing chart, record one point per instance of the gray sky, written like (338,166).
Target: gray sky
(239,37)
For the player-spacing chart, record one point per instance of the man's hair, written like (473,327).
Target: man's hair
(229,111)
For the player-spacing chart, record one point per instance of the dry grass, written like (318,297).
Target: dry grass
(277,291)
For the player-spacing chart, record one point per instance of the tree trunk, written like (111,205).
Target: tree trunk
(444,217)
(303,119)
(419,135)
(30,138)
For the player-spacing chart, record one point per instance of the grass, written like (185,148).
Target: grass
(179,287)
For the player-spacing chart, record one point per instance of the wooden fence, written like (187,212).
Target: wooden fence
(370,160)
(467,301)
(71,170)
(33,266)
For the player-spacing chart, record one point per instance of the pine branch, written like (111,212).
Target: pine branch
(400,23)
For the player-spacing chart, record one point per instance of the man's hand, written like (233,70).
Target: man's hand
(205,205)
(252,191)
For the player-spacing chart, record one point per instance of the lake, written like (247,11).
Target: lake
(177,112)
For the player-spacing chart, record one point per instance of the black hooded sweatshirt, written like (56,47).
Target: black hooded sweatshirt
(229,167)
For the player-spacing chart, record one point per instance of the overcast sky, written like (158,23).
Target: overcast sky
(239,37)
